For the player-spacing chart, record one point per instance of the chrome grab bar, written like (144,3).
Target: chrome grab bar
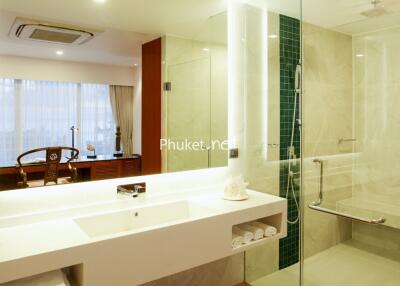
(316,205)
(321,180)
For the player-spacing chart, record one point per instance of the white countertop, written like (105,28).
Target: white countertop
(39,230)
(57,230)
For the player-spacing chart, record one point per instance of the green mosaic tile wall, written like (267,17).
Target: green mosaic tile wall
(289,57)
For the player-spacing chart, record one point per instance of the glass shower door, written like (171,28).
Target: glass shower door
(351,187)
(189,114)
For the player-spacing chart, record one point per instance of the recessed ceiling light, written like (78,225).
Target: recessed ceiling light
(206,49)
(59,53)
(359,55)
(272,36)
(99,1)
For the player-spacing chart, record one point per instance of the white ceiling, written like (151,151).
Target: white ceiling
(345,15)
(146,16)
(112,46)
(129,23)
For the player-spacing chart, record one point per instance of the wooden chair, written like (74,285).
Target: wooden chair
(53,158)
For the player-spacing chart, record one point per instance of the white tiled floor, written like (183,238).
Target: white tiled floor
(346,264)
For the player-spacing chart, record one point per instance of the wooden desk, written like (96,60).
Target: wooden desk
(104,167)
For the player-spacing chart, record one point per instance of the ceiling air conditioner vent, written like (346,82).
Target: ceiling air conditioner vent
(39,31)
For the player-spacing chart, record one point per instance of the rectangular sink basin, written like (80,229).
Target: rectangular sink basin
(140,218)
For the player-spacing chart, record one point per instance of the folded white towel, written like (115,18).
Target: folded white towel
(269,230)
(256,231)
(247,235)
(53,278)
(237,240)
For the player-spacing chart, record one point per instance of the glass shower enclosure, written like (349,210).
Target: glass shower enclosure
(331,141)
(351,194)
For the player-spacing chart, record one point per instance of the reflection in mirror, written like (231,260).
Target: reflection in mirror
(132,96)
(195,71)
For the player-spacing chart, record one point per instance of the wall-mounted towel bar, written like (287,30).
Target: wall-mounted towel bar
(317,205)
(342,140)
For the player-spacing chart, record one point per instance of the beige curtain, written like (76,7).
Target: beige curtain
(121,98)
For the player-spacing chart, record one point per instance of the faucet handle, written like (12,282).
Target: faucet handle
(132,189)
(139,188)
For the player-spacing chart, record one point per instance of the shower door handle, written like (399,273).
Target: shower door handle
(317,205)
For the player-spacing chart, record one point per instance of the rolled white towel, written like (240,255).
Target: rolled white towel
(269,230)
(247,235)
(256,231)
(53,278)
(237,240)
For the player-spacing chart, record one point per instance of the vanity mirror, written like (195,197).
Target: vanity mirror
(137,87)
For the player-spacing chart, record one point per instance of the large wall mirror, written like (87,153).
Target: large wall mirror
(125,87)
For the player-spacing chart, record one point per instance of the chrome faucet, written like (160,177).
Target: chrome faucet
(132,189)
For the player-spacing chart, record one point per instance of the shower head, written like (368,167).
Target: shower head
(377,10)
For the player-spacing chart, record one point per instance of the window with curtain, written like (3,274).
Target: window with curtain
(7,122)
(38,114)
(97,124)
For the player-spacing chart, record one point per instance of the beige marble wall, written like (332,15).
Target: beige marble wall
(376,181)
(381,240)
(224,272)
(327,91)
(377,90)
(327,117)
